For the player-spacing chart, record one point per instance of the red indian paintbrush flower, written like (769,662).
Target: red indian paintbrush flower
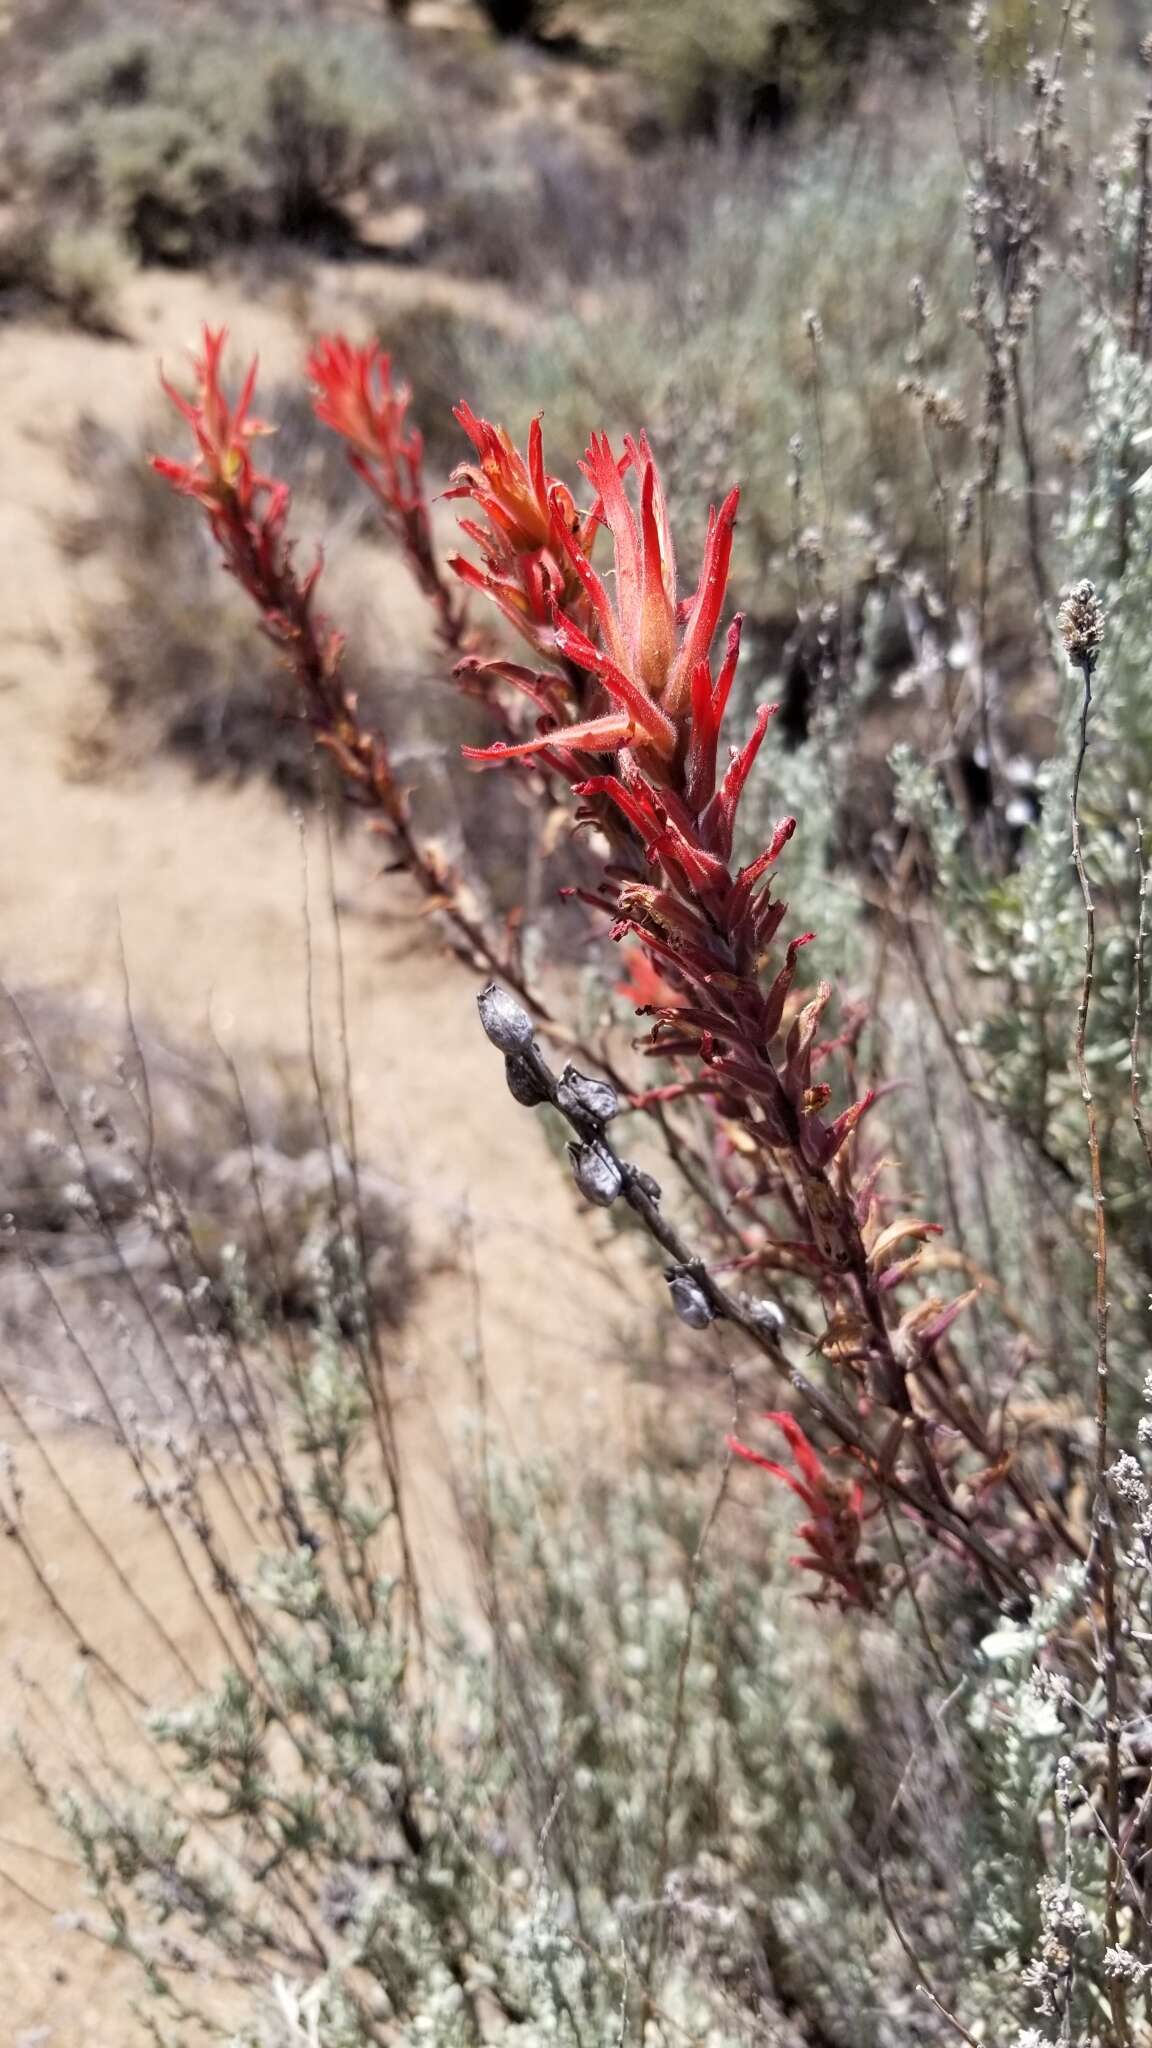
(354,394)
(707,931)
(647,650)
(247,511)
(836,1506)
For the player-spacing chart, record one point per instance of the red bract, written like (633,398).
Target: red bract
(353,393)
(526,519)
(647,651)
(836,1507)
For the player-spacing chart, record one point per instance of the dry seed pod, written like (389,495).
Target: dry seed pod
(689,1300)
(579,1095)
(768,1314)
(596,1174)
(505,1021)
(524,1083)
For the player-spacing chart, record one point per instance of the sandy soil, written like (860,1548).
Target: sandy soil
(202,886)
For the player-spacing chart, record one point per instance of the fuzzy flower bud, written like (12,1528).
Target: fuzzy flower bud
(505,1021)
(596,1174)
(1081,623)
(579,1095)
(689,1300)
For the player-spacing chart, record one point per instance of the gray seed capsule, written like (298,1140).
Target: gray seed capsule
(524,1083)
(690,1301)
(768,1314)
(579,1095)
(505,1021)
(596,1175)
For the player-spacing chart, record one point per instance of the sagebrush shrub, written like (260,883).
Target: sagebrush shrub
(187,141)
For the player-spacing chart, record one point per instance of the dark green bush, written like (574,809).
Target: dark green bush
(754,61)
(189,143)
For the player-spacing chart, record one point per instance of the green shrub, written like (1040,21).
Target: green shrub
(188,141)
(73,272)
(696,324)
(754,60)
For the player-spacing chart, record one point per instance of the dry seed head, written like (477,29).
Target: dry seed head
(1081,623)
(689,1300)
(596,1174)
(524,1082)
(578,1095)
(505,1021)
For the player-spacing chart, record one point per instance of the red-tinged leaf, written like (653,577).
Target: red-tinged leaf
(704,611)
(536,461)
(846,1123)
(544,689)
(638,812)
(700,765)
(866,1188)
(748,877)
(777,995)
(655,630)
(728,666)
(569,550)
(592,736)
(798,1050)
(904,1269)
(930,1333)
(718,821)
(893,1235)
(603,473)
(638,457)
(658,731)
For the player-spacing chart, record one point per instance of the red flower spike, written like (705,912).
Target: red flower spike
(223,466)
(355,396)
(836,1506)
(353,393)
(843,1128)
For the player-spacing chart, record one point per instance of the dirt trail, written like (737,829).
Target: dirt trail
(202,887)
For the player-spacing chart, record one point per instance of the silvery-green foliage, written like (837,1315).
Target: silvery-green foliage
(649,1775)
(636,1781)
(760,1882)
(1021,934)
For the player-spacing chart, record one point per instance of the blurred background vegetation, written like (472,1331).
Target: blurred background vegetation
(888,265)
